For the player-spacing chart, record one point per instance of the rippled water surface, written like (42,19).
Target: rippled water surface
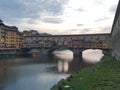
(33,73)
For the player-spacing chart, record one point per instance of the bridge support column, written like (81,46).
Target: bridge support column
(80,55)
(77,52)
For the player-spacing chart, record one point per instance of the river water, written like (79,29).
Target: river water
(28,73)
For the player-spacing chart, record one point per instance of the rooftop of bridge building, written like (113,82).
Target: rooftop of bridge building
(98,34)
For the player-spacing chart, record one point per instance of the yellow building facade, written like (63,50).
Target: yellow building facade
(10,37)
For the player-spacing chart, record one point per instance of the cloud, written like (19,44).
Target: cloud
(74,30)
(98,2)
(79,25)
(31,21)
(78,31)
(112,9)
(106,29)
(16,9)
(80,10)
(53,20)
(59,15)
(102,19)
(30,8)
(85,30)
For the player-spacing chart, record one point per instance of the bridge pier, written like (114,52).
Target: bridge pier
(77,51)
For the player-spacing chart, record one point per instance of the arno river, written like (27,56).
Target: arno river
(27,73)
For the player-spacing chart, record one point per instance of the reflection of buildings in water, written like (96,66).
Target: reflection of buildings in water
(63,57)
(4,66)
(35,55)
(63,66)
(76,64)
(3,70)
(60,66)
(92,56)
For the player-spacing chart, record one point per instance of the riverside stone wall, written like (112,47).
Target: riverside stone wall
(115,34)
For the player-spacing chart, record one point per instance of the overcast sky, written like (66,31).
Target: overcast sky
(60,16)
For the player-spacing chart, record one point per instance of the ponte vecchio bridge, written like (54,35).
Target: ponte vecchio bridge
(76,43)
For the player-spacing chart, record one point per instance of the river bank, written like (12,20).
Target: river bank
(103,76)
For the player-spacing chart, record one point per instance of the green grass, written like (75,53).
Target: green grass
(103,76)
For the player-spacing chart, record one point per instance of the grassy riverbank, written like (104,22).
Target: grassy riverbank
(104,76)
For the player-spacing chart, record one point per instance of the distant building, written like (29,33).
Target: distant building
(26,33)
(10,37)
(34,32)
(30,33)
(45,34)
(1,21)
